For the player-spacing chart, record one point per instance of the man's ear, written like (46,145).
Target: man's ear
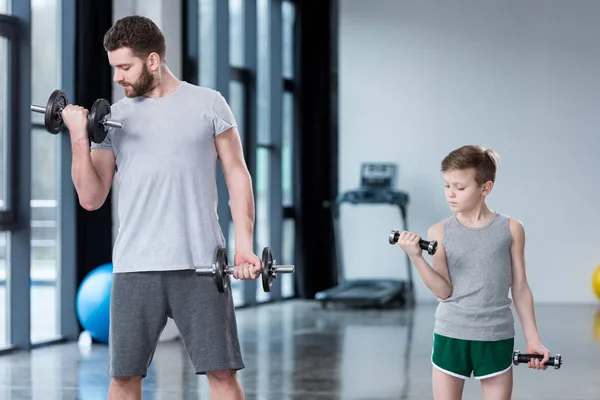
(153,61)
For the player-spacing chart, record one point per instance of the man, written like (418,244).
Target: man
(163,162)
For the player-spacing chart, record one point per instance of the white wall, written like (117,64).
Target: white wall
(419,78)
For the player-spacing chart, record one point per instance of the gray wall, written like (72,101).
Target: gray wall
(419,78)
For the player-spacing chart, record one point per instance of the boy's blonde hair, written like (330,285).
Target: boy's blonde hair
(483,161)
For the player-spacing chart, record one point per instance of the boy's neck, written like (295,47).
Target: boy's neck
(477,217)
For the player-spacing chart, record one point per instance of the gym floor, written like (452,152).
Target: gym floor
(296,350)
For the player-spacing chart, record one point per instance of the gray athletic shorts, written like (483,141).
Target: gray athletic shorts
(140,303)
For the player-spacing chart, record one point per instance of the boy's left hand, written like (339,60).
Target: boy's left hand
(538,348)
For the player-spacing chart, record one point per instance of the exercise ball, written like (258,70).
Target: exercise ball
(93,302)
(596,281)
(596,326)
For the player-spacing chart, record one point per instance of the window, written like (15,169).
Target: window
(287,148)
(4,236)
(236,33)
(262,212)
(3,116)
(264,112)
(8,86)
(4,268)
(45,263)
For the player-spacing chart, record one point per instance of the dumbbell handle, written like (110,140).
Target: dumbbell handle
(109,122)
(554,361)
(278,269)
(113,123)
(38,108)
(430,247)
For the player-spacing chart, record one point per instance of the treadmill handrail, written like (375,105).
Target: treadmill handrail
(366,196)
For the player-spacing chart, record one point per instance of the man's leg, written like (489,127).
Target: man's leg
(138,314)
(225,385)
(129,388)
(206,321)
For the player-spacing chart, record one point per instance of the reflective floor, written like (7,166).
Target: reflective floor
(296,350)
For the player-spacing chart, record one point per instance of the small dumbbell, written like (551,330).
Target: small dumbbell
(518,358)
(221,270)
(98,117)
(430,247)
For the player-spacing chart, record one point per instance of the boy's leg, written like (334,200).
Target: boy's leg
(207,324)
(451,367)
(446,387)
(498,387)
(492,362)
(138,314)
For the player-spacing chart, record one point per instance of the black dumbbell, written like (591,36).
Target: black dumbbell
(221,270)
(98,117)
(554,361)
(430,247)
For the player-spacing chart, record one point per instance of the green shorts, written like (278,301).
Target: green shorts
(461,358)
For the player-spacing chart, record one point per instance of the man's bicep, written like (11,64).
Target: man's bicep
(104,163)
(229,149)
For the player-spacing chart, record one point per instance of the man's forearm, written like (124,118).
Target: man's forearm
(88,183)
(242,208)
(523,300)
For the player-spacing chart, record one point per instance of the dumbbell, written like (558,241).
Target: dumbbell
(221,270)
(430,247)
(98,117)
(518,358)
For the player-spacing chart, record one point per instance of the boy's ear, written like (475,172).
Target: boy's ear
(487,187)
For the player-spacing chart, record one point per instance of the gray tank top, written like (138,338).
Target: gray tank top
(479,264)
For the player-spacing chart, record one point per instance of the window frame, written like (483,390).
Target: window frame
(9,29)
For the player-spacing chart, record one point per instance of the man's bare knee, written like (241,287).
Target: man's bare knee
(222,375)
(126,380)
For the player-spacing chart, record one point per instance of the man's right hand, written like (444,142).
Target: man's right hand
(76,120)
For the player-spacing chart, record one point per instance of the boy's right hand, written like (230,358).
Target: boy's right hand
(76,120)
(409,242)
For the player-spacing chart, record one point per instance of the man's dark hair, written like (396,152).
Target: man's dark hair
(138,33)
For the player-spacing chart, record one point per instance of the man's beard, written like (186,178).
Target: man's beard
(143,85)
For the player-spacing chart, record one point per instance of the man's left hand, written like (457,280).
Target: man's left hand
(247,265)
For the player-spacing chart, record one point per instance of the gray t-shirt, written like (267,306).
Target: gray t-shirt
(166,179)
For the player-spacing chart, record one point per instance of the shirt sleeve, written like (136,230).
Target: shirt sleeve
(223,118)
(106,143)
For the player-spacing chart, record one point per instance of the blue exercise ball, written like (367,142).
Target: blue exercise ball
(93,302)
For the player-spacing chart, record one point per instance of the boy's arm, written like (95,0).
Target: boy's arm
(435,277)
(521,292)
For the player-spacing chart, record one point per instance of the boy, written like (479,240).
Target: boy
(480,257)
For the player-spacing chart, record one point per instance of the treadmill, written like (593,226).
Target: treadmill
(376,187)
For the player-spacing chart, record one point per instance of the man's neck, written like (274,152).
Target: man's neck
(168,84)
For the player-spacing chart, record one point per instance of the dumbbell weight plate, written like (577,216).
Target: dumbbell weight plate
(267,268)
(53,121)
(221,265)
(99,112)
